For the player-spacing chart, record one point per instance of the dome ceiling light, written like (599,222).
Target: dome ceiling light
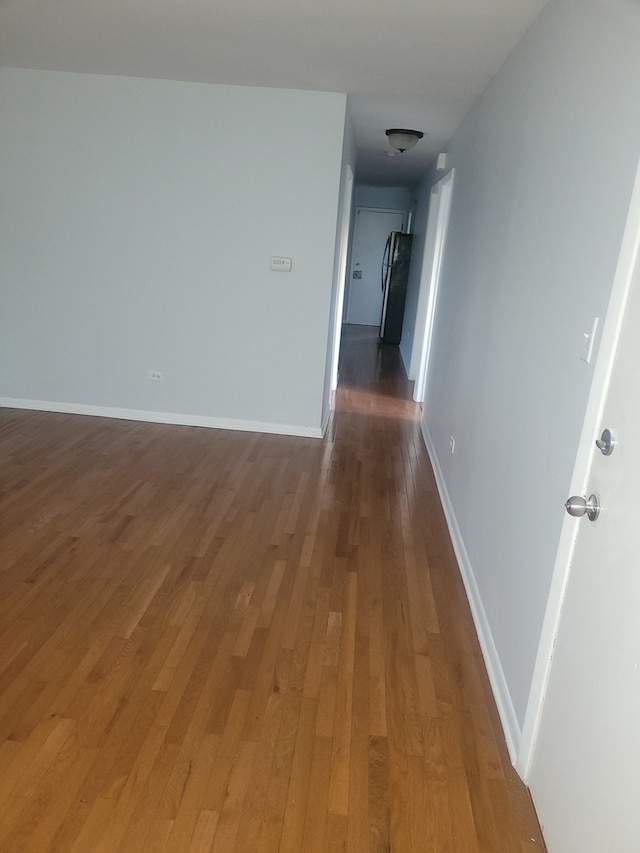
(403,140)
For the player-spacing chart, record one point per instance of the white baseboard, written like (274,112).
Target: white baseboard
(326,418)
(161,417)
(511,728)
(406,363)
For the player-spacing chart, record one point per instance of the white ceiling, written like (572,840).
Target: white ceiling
(404,63)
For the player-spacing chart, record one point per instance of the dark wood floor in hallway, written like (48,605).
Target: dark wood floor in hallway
(224,641)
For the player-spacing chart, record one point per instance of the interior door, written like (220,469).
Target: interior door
(370,231)
(584,774)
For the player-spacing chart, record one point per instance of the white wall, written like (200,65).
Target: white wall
(544,169)
(391,198)
(135,235)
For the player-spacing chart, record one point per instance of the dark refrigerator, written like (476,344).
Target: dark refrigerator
(395,275)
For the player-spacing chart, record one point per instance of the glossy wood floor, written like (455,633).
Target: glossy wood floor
(223,641)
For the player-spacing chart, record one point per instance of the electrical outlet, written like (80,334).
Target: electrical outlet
(452,444)
(157,375)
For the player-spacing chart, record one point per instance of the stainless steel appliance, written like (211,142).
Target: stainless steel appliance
(395,275)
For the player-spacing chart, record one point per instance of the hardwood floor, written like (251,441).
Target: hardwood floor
(224,641)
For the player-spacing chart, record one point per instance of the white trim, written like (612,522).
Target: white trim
(627,260)
(401,210)
(492,663)
(430,282)
(345,228)
(327,415)
(161,417)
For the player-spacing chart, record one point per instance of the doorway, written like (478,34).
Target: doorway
(371,228)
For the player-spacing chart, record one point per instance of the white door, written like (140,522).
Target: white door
(585,771)
(370,231)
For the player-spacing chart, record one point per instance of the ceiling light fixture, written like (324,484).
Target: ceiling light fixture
(403,140)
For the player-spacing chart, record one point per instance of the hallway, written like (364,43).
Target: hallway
(225,641)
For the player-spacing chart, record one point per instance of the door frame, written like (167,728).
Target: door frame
(343,253)
(628,259)
(435,241)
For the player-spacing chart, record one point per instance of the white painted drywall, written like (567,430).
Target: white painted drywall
(138,221)
(544,165)
(390,198)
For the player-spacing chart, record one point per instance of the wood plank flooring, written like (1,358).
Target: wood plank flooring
(224,641)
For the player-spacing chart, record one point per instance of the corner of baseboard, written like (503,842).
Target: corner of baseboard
(326,418)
